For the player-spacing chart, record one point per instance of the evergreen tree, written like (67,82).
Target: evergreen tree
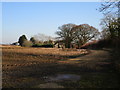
(22,39)
(32,39)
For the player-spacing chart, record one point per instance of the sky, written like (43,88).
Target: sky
(31,18)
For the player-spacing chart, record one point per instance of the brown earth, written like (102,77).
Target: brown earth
(28,67)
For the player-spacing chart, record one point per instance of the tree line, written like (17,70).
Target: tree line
(24,42)
(68,34)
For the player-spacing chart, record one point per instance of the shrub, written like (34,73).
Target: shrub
(43,45)
(27,43)
(47,45)
(36,45)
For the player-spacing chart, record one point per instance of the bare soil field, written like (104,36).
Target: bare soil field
(55,68)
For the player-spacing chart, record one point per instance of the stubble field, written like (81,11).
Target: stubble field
(32,68)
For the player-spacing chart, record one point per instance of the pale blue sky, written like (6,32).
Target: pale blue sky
(31,18)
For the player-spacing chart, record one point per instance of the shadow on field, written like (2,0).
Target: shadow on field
(94,73)
(29,74)
(33,75)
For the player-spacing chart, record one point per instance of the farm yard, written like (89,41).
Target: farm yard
(28,67)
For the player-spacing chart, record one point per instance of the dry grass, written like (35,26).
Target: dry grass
(15,54)
(19,63)
(27,67)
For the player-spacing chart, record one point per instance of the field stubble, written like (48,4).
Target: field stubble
(31,64)
(30,67)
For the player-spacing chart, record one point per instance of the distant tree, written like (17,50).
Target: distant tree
(48,42)
(27,43)
(84,33)
(66,34)
(40,42)
(45,42)
(15,43)
(32,39)
(22,39)
(51,41)
(43,37)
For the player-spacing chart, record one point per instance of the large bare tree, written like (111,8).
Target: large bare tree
(65,33)
(84,33)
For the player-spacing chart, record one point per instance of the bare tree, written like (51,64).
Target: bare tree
(112,23)
(105,34)
(109,6)
(42,37)
(65,33)
(84,33)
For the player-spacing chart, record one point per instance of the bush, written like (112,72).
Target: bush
(43,45)
(47,45)
(36,45)
(27,43)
